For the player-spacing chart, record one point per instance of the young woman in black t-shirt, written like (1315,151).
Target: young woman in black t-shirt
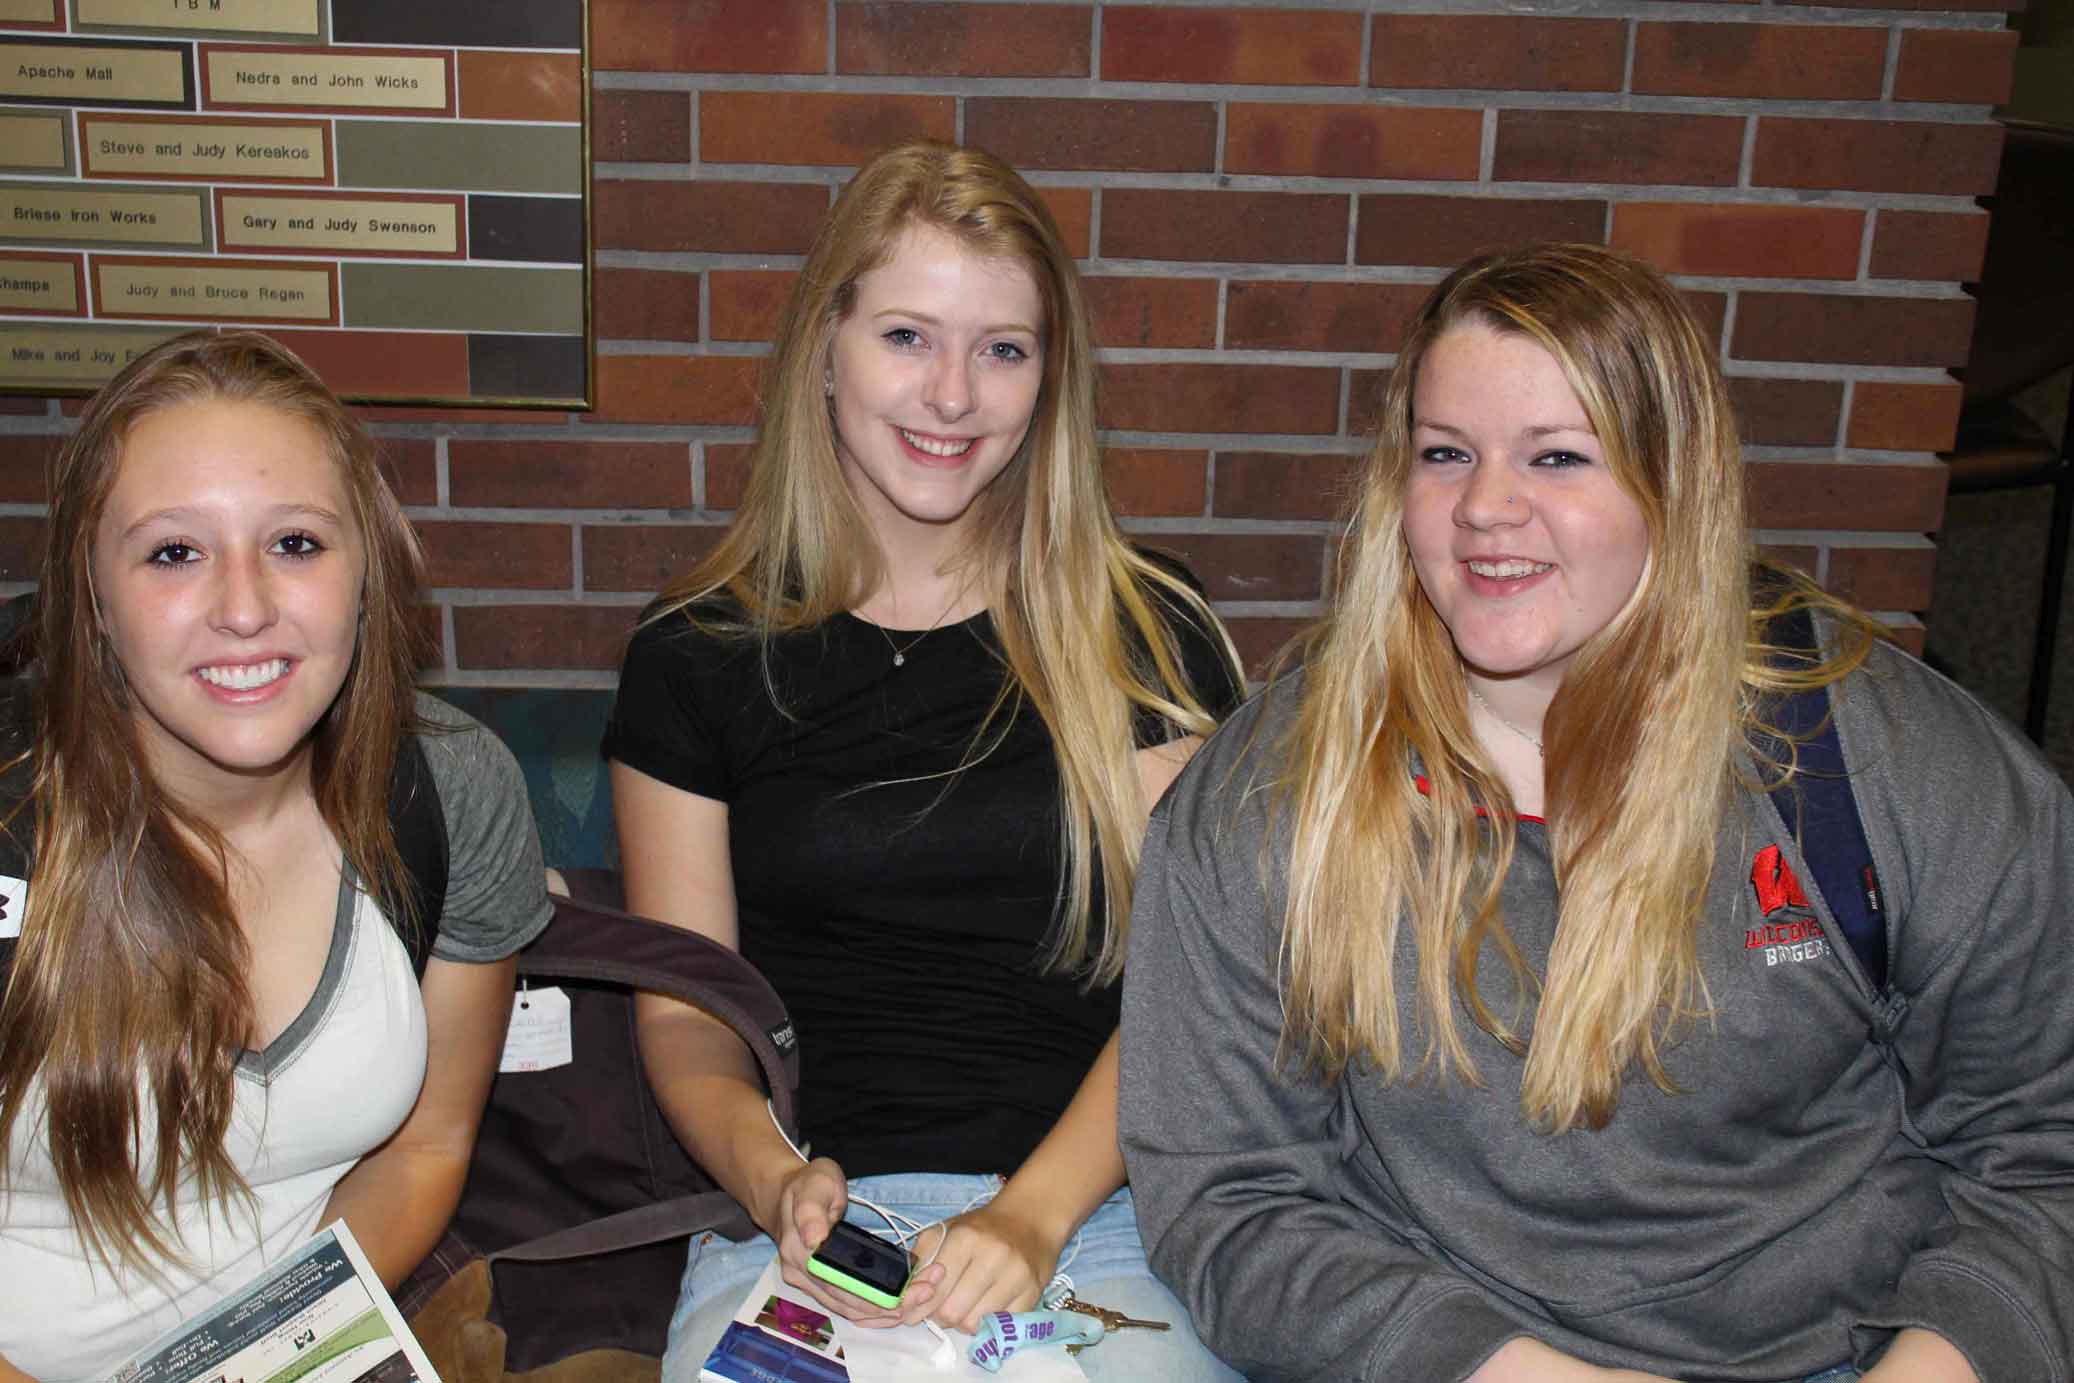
(896,739)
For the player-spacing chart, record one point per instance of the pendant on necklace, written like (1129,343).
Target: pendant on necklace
(899,658)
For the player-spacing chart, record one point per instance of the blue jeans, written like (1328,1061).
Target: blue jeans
(1842,1373)
(1105,1259)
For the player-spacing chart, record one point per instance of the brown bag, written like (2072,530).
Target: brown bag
(563,1261)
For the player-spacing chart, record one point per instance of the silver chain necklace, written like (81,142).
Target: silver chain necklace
(900,651)
(1532,739)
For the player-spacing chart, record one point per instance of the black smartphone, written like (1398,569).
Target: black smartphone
(863,1263)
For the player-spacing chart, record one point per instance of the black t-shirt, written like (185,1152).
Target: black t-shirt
(898,907)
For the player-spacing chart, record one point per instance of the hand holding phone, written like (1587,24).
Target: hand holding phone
(861,1263)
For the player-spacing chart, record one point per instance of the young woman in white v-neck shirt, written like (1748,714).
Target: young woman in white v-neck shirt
(213,1039)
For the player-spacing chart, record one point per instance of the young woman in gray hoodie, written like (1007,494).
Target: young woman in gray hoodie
(1485,1021)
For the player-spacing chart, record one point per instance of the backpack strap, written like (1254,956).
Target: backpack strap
(420,830)
(1820,811)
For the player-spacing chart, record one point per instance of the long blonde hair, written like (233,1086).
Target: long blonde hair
(1078,610)
(130,974)
(1643,740)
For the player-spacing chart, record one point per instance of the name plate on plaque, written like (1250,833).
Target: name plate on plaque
(373,81)
(28,11)
(92,72)
(202,288)
(77,213)
(148,148)
(32,143)
(336,223)
(213,16)
(38,285)
(69,357)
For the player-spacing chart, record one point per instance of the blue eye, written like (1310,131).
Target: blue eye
(297,545)
(176,553)
(904,336)
(1561,460)
(1007,351)
(1444,455)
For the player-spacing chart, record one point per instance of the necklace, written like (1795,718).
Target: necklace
(900,651)
(1532,739)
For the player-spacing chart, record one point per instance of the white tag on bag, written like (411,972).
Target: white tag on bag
(541,1036)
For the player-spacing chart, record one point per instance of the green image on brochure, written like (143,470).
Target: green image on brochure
(318,1315)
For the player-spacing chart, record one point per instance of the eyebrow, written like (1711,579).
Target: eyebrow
(928,320)
(187,513)
(1537,430)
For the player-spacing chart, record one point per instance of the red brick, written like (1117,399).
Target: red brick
(921,39)
(718,389)
(1750,241)
(1365,400)
(1617,146)
(1252,566)
(25,465)
(1341,141)
(1350,318)
(1899,416)
(1711,311)
(502,556)
(1494,52)
(709,35)
(1279,485)
(1877,156)
(1178,314)
(1861,495)
(1148,483)
(643,557)
(1204,46)
(21,549)
(1034,132)
(645,304)
(509,637)
(431,640)
(745,304)
(1974,66)
(515,474)
(1787,412)
(1447,230)
(377,415)
(1883,578)
(841,128)
(24,407)
(707,217)
(383,364)
(411,466)
(505,85)
(1947,245)
(1216,397)
(1802,559)
(641,126)
(1260,639)
(1074,210)
(1252,227)
(1844,330)
(1784,62)
(727,473)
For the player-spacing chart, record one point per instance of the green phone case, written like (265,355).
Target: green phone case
(851,1284)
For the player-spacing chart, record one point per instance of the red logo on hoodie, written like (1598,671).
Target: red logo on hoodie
(1795,937)
(1773,879)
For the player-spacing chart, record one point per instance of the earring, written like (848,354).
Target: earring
(828,383)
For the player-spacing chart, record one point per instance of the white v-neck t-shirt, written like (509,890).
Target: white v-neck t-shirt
(335,1084)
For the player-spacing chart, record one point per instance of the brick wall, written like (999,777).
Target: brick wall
(1259,196)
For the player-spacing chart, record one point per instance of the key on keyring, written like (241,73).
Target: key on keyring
(1112,1321)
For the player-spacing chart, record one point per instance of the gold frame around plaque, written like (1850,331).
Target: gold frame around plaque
(539,91)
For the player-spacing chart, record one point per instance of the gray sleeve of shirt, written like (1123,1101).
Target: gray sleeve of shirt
(1238,1167)
(496,892)
(1979,833)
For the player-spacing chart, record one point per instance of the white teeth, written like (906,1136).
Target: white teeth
(937,446)
(1509,568)
(246,678)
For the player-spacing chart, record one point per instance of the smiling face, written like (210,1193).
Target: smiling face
(228,575)
(1522,539)
(935,374)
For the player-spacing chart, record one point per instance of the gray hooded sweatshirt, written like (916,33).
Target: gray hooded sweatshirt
(1802,1196)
